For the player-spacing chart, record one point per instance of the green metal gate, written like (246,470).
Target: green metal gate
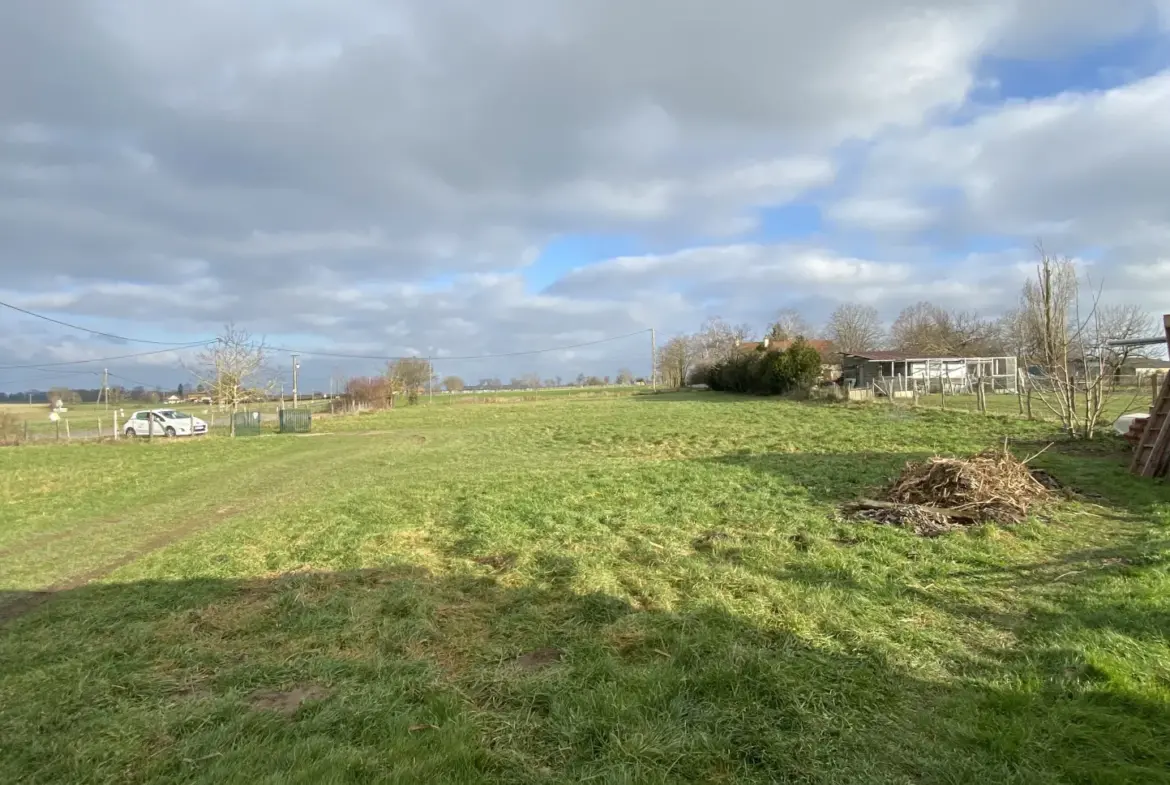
(246,423)
(296,421)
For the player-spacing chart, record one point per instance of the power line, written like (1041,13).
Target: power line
(468,357)
(86,329)
(131,381)
(307,352)
(105,359)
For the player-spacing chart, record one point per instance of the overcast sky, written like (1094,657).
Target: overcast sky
(453,178)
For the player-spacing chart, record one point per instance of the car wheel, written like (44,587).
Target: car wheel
(131,433)
(170,431)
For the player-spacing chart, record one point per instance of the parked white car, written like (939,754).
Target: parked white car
(164,422)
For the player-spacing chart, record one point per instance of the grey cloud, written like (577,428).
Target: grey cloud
(263,161)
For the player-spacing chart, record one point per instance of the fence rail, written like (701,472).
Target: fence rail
(993,395)
(92,425)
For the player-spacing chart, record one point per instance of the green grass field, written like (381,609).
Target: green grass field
(621,589)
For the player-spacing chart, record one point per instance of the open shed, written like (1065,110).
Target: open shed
(890,372)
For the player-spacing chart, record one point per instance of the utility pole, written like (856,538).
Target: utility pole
(106,386)
(296,367)
(653,360)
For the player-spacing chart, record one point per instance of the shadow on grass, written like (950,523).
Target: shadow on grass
(1096,477)
(398,675)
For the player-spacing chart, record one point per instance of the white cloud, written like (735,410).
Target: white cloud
(889,214)
(1080,171)
(384,174)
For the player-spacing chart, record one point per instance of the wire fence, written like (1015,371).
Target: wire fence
(1027,396)
(35,424)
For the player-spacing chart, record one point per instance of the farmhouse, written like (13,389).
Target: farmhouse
(890,372)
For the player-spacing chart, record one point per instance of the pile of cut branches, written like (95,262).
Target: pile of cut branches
(939,494)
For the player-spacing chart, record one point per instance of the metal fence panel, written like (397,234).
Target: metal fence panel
(296,421)
(246,423)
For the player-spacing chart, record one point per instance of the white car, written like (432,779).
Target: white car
(164,422)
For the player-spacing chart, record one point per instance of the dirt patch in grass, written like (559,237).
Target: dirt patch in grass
(539,658)
(708,540)
(287,702)
(500,562)
(25,602)
(21,603)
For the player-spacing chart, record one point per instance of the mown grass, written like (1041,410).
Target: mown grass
(633,589)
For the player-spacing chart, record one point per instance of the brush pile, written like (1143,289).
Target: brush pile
(939,494)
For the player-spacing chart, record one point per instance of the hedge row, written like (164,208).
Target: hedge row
(765,372)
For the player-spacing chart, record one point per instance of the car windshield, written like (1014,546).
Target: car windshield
(171,414)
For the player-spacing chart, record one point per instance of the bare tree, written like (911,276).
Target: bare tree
(789,325)
(1125,322)
(1011,334)
(233,370)
(625,376)
(1046,305)
(929,330)
(409,375)
(854,328)
(368,391)
(1065,335)
(717,339)
(453,384)
(675,359)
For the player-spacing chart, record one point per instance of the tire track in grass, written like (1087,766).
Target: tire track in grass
(17,603)
(223,478)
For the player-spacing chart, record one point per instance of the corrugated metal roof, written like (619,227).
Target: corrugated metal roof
(897,357)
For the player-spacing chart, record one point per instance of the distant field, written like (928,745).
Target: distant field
(575,588)
(85,418)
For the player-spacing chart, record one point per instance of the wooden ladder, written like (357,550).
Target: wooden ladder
(1150,455)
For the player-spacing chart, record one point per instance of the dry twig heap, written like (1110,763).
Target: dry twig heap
(935,495)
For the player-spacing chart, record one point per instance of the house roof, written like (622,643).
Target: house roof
(822,346)
(880,356)
(1146,362)
(897,357)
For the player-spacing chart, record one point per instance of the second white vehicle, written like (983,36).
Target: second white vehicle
(164,422)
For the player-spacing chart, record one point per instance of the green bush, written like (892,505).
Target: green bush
(766,372)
